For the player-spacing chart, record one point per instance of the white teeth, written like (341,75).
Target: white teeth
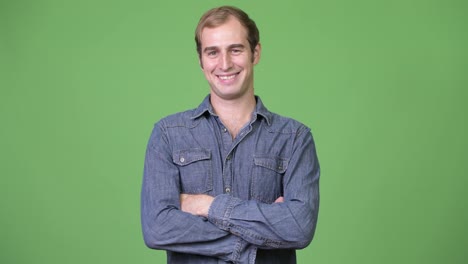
(227,77)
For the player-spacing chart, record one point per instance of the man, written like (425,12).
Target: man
(229,181)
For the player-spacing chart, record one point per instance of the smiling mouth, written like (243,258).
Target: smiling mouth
(227,77)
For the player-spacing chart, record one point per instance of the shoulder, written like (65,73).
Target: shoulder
(180,119)
(286,125)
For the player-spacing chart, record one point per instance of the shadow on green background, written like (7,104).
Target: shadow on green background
(382,84)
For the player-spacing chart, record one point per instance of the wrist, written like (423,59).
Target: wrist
(208,200)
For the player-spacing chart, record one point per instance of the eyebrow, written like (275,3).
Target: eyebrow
(232,46)
(207,49)
(236,46)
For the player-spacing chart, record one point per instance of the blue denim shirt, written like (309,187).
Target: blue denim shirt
(192,152)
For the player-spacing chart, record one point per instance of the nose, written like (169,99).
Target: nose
(225,62)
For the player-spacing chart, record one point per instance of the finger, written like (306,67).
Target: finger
(279,199)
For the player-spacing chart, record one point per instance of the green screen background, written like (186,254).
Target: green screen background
(382,84)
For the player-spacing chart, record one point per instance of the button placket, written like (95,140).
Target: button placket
(228,174)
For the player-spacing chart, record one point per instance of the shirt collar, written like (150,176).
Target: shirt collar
(205,107)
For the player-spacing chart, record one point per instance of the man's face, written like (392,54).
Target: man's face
(227,60)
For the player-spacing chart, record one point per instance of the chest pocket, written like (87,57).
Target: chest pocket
(267,178)
(195,170)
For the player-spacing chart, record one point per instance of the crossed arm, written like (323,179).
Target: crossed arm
(199,204)
(229,227)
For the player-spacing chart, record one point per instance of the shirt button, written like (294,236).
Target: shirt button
(224,129)
(182,159)
(228,190)
(229,157)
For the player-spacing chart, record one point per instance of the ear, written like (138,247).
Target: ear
(257,53)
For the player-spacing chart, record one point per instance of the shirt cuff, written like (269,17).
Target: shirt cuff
(244,252)
(219,214)
(220,210)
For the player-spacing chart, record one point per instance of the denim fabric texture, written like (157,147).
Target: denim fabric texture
(192,152)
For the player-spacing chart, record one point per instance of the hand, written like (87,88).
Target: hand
(279,199)
(196,204)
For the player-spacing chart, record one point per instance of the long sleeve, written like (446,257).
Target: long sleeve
(165,226)
(290,224)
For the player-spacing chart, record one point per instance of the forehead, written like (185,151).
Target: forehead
(227,33)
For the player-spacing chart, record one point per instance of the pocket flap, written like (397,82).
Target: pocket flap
(187,156)
(273,163)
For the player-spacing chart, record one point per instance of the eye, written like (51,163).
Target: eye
(236,51)
(212,53)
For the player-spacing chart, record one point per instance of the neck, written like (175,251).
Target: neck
(234,114)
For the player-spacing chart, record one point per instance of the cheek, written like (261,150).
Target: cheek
(208,73)
(207,69)
(243,61)
(208,66)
